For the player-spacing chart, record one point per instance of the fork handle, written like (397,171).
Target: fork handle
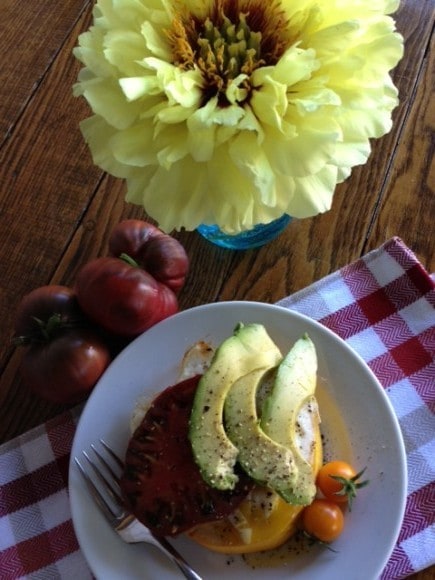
(177,559)
(135,532)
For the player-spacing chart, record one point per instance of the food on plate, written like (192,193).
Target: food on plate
(323,520)
(63,358)
(295,386)
(161,481)
(263,520)
(339,482)
(171,492)
(248,349)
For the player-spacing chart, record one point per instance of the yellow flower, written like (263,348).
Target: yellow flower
(233,112)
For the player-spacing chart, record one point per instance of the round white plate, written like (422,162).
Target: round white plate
(357,419)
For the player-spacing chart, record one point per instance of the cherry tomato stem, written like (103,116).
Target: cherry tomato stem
(339,482)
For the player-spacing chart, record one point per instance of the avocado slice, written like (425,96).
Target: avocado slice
(294,386)
(249,348)
(269,463)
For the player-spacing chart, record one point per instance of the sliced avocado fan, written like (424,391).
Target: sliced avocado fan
(269,463)
(295,384)
(249,348)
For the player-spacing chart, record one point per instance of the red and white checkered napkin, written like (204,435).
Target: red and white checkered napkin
(37,538)
(383,305)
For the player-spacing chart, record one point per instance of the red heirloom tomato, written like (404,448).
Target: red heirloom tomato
(63,359)
(158,253)
(162,483)
(121,297)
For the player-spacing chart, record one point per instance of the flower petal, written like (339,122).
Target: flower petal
(254,163)
(134,145)
(310,195)
(183,188)
(123,49)
(155,41)
(269,102)
(107,100)
(137,87)
(308,152)
(97,134)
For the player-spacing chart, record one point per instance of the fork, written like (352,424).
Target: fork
(121,520)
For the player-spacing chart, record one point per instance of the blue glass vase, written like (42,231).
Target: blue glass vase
(258,236)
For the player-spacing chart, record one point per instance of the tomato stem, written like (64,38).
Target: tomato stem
(315,541)
(49,328)
(128,260)
(350,486)
(45,331)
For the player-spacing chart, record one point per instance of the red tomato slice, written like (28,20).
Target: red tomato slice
(162,483)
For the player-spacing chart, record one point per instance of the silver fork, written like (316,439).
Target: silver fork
(122,521)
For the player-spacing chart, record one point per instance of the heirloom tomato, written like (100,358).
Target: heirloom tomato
(162,483)
(39,305)
(158,253)
(121,297)
(63,357)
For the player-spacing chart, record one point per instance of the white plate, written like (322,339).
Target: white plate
(354,408)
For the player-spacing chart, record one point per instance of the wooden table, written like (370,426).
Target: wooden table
(56,208)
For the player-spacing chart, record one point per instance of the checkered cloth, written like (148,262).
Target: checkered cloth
(383,306)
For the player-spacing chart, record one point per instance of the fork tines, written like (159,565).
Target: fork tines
(107,494)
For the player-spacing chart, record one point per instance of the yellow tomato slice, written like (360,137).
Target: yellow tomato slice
(263,520)
(248,532)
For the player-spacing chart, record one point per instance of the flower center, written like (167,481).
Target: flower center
(235,38)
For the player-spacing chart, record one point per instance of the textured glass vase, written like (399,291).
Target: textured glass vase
(258,236)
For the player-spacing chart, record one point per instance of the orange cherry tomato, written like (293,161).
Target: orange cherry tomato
(338,482)
(323,520)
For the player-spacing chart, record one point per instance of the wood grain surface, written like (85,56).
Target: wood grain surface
(57,208)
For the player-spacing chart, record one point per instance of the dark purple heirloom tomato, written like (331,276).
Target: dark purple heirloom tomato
(63,357)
